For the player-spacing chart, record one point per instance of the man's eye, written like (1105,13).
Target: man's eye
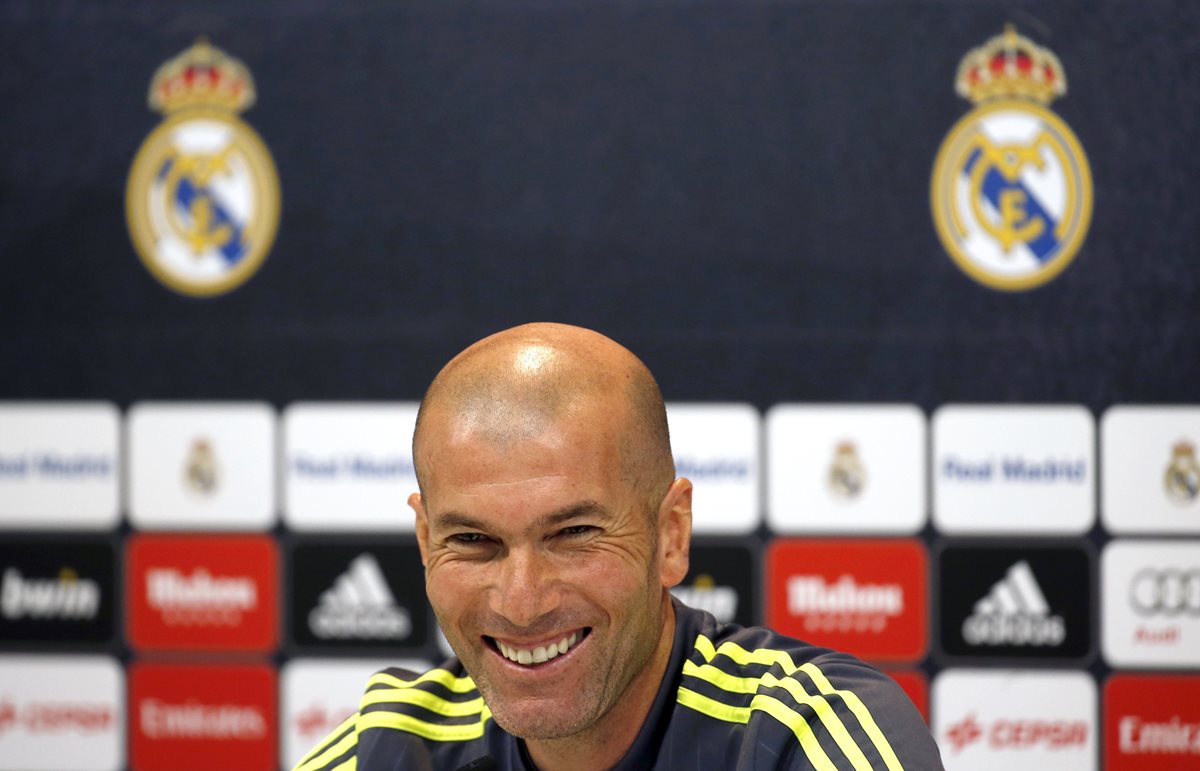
(574,531)
(468,539)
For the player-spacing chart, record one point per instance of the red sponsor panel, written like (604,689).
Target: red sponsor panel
(916,685)
(1152,723)
(867,597)
(203,593)
(202,717)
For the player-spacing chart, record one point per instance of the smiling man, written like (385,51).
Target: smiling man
(552,527)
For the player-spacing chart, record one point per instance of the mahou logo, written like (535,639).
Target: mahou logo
(202,717)
(1152,722)
(865,597)
(203,592)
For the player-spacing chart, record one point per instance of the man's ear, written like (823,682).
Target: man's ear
(418,506)
(674,532)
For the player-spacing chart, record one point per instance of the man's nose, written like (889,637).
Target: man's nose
(527,588)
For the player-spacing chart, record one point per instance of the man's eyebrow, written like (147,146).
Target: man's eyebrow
(452,519)
(455,519)
(572,512)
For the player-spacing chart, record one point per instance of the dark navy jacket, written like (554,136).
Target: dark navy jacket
(733,698)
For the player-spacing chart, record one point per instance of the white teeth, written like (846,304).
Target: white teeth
(540,654)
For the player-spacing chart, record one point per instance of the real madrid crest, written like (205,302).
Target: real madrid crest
(202,200)
(847,475)
(1011,189)
(201,474)
(1182,477)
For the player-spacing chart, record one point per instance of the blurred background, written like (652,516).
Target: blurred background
(742,193)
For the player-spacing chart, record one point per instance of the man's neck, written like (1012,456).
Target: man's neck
(604,744)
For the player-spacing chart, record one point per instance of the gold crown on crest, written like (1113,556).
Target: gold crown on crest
(1010,65)
(201,76)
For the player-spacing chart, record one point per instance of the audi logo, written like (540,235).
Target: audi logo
(1168,591)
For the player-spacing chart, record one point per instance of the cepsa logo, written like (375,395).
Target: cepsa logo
(203,592)
(865,597)
(65,713)
(1016,734)
(202,717)
(1152,722)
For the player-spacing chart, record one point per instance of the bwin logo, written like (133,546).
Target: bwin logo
(1014,612)
(360,605)
(65,597)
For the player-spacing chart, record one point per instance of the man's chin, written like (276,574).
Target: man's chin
(541,719)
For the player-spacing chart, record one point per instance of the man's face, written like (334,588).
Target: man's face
(538,551)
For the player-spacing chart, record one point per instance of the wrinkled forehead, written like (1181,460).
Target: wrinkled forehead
(467,455)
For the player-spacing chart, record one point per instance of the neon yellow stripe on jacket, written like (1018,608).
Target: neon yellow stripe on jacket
(323,753)
(767,656)
(819,705)
(426,730)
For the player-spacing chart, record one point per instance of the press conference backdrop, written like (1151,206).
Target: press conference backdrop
(917,279)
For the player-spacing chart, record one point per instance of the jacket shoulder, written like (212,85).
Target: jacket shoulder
(404,714)
(763,700)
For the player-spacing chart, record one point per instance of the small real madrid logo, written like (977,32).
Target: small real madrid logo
(202,200)
(1011,189)
(847,475)
(1182,479)
(201,474)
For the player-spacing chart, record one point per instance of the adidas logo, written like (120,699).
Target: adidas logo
(1014,612)
(360,605)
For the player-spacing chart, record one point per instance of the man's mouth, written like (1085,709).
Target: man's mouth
(542,653)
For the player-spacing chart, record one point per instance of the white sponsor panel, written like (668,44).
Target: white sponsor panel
(59,465)
(716,446)
(1013,469)
(1151,479)
(61,713)
(846,468)
(202,466)
(1151,603)
(348,466)
(318,694)
(1005,719)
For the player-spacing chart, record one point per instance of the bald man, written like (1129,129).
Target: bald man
(552,527)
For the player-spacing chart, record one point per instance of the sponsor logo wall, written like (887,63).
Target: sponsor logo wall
(338,601)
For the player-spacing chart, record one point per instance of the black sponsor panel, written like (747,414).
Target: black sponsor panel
(723,579)
(1026,602)
(57,591)
(357,594)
